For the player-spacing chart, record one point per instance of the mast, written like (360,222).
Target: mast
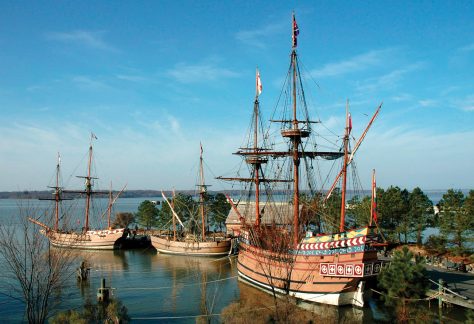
(296,140)
(354,150)
(344,169)
(373,202)
(88,186)
(257,166)
(295,134)
(57,196)
(258,90)
(88,190)
(109,210)
(174,220)
(201,195)
(292,131)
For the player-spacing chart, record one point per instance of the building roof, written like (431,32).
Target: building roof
(275,212)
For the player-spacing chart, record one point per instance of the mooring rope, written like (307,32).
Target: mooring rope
(410,299)
(194,316)
(170,287)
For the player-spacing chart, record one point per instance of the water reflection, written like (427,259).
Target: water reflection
(162,287)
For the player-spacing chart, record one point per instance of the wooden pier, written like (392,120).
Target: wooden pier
(452,287)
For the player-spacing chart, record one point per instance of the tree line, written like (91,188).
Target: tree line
(149,215)
(403,215)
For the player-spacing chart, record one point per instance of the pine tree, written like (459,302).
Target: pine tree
(420,208)
(403,280)
(455,220)
(393,212)
(147,214)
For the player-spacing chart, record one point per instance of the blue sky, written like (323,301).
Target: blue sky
(153,79)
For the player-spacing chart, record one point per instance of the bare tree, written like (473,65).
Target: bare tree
(33,269)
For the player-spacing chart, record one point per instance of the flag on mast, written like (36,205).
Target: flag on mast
(373,208)
(350,122)
(259,84)
(296,32)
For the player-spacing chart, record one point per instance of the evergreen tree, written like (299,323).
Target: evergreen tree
(393,212)
(403,280)
(469,209)
(331,212)
(219,210)
(164,219)
(185,207)
(147,214)
(455,219)
(420,209)
(359,211)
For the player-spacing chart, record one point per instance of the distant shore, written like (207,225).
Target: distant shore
(148,193)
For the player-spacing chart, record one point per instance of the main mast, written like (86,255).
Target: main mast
(256,160)
(174,220)
(202,192)
(295,134)
(344,169)
(57,196)
(109,209)
(88,188)
(255,155)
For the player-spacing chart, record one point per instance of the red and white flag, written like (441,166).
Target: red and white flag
(374,198)
(349,122)
(259,84)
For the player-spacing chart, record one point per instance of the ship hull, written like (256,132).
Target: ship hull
(91,240)
(192,248)
(304,273)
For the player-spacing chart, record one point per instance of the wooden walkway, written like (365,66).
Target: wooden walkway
(457,282)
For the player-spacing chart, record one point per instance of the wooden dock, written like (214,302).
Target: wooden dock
(452,299)
(458,288)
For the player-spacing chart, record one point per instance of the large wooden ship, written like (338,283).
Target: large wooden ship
(286,246)
(193,244)
(86,237)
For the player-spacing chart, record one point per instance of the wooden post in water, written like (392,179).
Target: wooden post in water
(103,293)
(440,291)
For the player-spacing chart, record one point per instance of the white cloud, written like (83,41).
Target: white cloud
(407,157)
(163,155)
(388,80)
(467,104)
(189,73)
(467,48)
(131,78)
(401,97)
(427,102)
(257,36)
(88,83)
(91,39)
(353,64)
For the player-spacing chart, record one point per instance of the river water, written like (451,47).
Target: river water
(161,288)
